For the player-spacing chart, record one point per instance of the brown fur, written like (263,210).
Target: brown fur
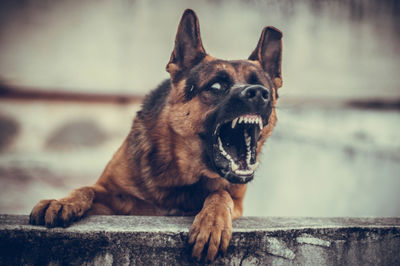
(160,169)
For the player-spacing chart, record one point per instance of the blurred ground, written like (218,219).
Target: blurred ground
(326,158)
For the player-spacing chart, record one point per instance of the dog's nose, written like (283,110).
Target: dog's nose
(255,94)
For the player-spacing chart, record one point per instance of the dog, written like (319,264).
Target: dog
(193,146)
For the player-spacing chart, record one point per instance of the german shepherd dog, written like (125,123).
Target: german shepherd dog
(193,146)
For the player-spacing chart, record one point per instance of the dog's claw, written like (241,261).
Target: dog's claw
(212,228)
(61,213)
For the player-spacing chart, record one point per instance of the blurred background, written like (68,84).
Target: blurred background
(72,74)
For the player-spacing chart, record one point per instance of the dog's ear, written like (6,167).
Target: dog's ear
(188,50)
(269,53)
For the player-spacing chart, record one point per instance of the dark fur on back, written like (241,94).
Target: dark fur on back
(154,102)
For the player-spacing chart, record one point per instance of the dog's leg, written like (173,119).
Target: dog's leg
(213,225)
(63,212)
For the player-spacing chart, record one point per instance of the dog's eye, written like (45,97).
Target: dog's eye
(216,86)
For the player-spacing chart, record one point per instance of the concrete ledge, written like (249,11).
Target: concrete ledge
(125,240)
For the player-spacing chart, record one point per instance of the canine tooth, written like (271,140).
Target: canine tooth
(260,123)
(234,121)
(221,148)
(253,166)
(234,166)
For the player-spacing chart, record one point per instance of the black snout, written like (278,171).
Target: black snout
(255,94)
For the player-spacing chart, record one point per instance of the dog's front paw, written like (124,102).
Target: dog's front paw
(54,213)
(212,226)
(63,212)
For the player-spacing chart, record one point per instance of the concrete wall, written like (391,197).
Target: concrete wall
(124,240)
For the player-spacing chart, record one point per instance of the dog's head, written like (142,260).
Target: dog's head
(226,106)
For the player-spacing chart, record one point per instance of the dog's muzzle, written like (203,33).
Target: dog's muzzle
(239,123)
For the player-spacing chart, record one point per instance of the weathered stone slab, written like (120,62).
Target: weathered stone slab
(138,240)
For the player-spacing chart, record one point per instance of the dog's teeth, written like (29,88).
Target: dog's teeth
(260,123)
(253,167)
(225,154)
(234,166)
(221,148)
(216,129)
(247,138)
(240,119)
(234,121)
(244,172)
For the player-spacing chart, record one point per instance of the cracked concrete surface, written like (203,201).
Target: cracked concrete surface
(138,240)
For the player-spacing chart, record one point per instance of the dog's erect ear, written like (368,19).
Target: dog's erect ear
(269,53)
(188,50)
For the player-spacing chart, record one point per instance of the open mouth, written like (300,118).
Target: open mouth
(236,141)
